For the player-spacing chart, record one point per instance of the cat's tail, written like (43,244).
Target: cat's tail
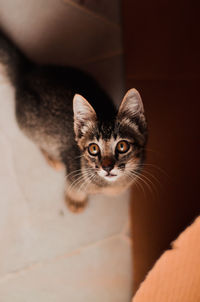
(11,58)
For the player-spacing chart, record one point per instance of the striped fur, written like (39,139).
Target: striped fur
(64,110)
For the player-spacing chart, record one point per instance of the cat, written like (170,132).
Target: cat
(73,121)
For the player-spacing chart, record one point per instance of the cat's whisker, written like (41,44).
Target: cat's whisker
(73,172)
(76,172)
(79,176)
(79,180)
(148,185)
(152,185)
(84,182)
(146,181)
(136,182)
(152,175)
(88,182)
(75,183)
(143,184)
(143,165)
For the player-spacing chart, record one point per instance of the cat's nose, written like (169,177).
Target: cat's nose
(107,164)
(108,168)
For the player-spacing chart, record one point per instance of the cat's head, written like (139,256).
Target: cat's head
(113,150)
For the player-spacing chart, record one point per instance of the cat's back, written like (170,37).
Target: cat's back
(50,85)
(55,86)
(44,103)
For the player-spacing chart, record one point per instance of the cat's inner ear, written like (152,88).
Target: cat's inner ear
(131,104)
(84,115)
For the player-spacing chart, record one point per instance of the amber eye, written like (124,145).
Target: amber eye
(93,149)
(122,146)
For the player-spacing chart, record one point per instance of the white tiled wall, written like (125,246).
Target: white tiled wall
(46,252)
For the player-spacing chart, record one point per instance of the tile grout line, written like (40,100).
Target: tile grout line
(91,13)
(21,271)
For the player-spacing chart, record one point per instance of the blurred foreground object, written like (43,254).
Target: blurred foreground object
(176,275)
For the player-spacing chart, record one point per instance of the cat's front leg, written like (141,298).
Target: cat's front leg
(76,200)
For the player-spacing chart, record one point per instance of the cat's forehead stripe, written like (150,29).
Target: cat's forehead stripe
(105,145)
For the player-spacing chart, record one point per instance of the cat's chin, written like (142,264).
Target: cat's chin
(111,178)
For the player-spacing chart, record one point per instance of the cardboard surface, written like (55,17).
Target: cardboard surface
(176,275)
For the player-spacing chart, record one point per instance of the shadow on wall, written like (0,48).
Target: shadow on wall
(68,33)
(163,62)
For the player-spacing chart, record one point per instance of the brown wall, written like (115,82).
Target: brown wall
(162,62)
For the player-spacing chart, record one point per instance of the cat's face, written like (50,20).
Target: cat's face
(112,151)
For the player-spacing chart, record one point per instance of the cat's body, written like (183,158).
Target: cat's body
(51,109)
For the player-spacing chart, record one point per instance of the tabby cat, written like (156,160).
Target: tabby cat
(75,124)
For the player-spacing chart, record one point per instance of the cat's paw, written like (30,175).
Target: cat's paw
(74,205)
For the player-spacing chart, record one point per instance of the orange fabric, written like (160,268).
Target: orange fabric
(176,275)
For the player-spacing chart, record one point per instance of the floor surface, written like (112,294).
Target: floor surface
(47,253)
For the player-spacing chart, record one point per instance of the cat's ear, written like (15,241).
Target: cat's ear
(84,115)
(131,104)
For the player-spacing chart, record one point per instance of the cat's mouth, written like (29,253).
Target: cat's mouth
(111,177)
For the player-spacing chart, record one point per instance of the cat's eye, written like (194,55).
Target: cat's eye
(122,146)
(93,149)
